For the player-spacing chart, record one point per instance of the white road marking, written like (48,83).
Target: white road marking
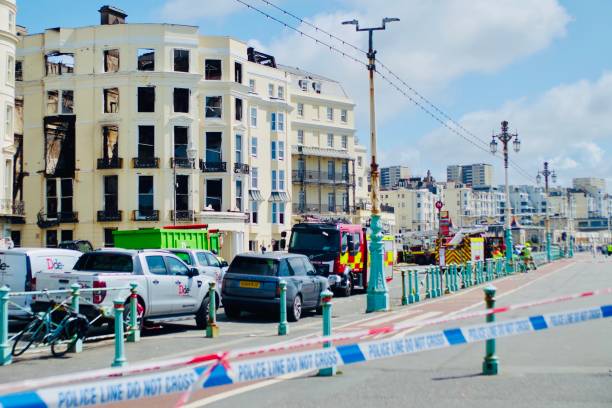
(390,317)
(424,316)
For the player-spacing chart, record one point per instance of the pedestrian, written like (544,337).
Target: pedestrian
(263,249)
(609,248)
(527,258)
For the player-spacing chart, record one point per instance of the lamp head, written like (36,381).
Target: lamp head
(538,178)
(517,145)
(493,146)
(554,177)
(350,22)
(390,19)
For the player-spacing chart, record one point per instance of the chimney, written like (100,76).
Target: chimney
(111,15)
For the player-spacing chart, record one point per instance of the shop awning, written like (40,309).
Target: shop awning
(255,195)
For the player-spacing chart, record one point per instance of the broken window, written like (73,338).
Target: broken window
(111,100)
(52,204)
(59,146)
(18,169)
(212,69)
(181,60)
(181,100)
(213,106)
(58,63)
(18,70)
(238,109)
(110,135)
(52,102)
(146,59)
(238,72)
(146,142)
(146,99)
(111,60)
(68,102)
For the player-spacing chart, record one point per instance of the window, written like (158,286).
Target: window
(238,106)
(181,140)
(10,69)
(181,100)
(300,110)
(360,181)
(145,195)
(281,150)
(359,161)
(274,180)
(303,85)
(146,59)
(300,136)
(281,92)
(273,150)
(238,72)
(109,241)
(254,146)
(214,190)
(270,90)
(331,202)
(111,60)
(330,113)
(254,212)
(181,60)
(213,106)
(344,141)
(18,70)
(51,239)
(212,69)
(58,204)
(110,143)
(239,195)
(278,213)
(66,235)
(111,194)
(331,169)
(281,122)
(238,149)
(315,112)
(296,267)
(253,117)
(58,63)
(330,140)
(146,99)
(281,180)
(273,121)
(8,121)
(11,22)
(67,102)
(146,142)
(254,177)
(344,116)
(156,265)
(213,147)
(345,202)
(111,100)
(182,193)
(252,86)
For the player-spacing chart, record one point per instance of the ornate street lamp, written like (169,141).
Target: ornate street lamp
(546,173)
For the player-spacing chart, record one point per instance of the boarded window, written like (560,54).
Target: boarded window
(181,60)
(52,102)
(110,135)
(111,60)
(146,99)
(213,106)
(212,69)
(238,109)
(68,102)
(181,100)
(58,63)
(59,146)
(146,142)
(111,100)
(146,59)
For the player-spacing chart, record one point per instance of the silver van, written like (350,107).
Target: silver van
(19,266)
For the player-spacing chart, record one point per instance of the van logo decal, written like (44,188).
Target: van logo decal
(4,266)
(54,264)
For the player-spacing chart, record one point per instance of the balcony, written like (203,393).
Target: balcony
(145,215)
(181,163)
(241,168)
(110,215)
(315,208)
(48,220)
(9,207)
(110,163)
(145,162)
(181,215)
(213,167)
(316,177)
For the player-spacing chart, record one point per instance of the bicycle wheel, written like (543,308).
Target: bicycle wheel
(61,346)
(33,333)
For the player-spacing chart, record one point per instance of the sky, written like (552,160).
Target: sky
(544,66)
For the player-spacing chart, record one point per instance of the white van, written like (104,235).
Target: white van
(19,265)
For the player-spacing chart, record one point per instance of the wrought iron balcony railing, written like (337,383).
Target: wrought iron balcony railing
(110,163)
(145,162)
(110,215)
(213,167)
(145,215)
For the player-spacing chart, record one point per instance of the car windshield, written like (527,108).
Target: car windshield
(254,266)
(104,263)
(314,241)
(183,256)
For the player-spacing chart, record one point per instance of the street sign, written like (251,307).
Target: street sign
(439,205)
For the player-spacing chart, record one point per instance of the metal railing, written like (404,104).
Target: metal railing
(305,208)
(241,168)
(321,177)
(145,162)
(148,215)
(11,207)
(181,163)
(182,215)
(110,215)
(213,167)
(110,163)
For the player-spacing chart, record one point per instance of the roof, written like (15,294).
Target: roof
(301,72)
(59,251)
(278,255)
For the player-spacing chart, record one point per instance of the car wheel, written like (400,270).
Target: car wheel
(201,316)
(348,290)
(231,311)
(295,311)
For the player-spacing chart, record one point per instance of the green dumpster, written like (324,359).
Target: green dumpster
(161,238)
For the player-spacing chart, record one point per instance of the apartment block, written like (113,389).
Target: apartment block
(391,176)
(477,175)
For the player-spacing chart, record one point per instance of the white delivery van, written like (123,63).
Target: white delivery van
(19,266)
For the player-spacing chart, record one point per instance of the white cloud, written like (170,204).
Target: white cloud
(193,10)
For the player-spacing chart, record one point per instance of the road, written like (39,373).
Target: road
(563,367)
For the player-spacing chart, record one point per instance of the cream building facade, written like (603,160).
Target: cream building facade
(414,209)
(120,118)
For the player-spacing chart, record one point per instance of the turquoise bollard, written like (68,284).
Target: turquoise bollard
(283,327)
(428,288)
(411,298)
(417,295)
(404,297)
(326,301)
(120,360)
(490,365)
(77,347)
(134,334)
(212,329)
(6,357)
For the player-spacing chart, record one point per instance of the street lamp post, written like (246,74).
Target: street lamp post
(505,137)
(377,294)
(547,173)
(570,226)
(192,154)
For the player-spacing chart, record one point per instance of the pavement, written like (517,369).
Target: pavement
(566,367)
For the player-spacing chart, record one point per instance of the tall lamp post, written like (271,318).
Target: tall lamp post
(570,225)
(377,295)
(505,137)
(192,154)
(546,173)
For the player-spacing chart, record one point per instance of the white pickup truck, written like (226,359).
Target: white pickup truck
(168,289)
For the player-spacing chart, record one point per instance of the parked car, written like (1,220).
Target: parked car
(168,289)
(19,268)
(252,284)
(77,245)
(207,263)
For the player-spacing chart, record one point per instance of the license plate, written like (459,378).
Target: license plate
(250,284)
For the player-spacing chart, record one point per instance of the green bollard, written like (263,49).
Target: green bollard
(283,327)
(75,288)
(6,357)
(439,282)
(120,360)
(404,297)
(212,330)
(417,295)
(428,292)
(411,298)
(326,298)
(134,334)
(490,365)
(434,282)
(455,278)
(489,276)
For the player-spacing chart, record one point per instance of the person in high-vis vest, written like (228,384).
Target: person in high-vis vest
(527,258)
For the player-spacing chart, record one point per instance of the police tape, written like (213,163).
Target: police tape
(284,346)
(226,372)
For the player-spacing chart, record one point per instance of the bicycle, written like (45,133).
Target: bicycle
(60,336)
